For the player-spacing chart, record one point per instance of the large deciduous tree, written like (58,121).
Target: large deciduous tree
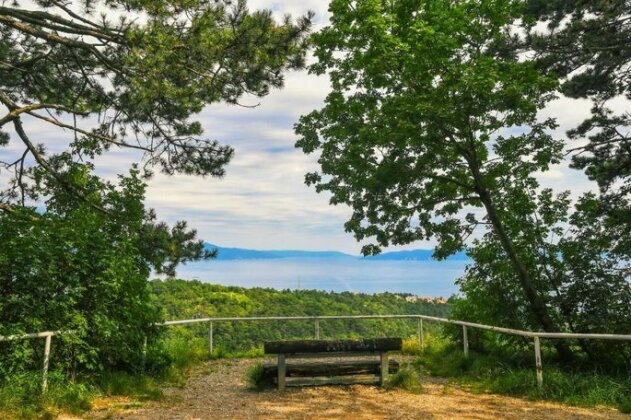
(130,74)
(432,114)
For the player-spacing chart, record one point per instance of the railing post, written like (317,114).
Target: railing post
(46,360)
(465,341)
(210,338)
(420,334)
(317,329)
(538,364)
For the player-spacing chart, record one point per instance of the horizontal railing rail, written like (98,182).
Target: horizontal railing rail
(536,336)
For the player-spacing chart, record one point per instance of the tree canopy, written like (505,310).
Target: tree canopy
(130,74)
(586,44)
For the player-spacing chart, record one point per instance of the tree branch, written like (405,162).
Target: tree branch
(89,134)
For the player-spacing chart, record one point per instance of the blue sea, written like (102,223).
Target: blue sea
(423,278)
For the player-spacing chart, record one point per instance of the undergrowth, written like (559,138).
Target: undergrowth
(21,397)
(514,374)
(167,363)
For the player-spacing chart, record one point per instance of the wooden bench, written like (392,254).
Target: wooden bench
(334,372)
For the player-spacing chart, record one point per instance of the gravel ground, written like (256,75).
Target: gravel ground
(218,390)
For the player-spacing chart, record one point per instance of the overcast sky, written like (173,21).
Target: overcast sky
(262,201)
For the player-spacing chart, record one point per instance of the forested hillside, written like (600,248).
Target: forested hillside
(180,299)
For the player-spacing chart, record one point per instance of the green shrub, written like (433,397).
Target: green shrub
(625,406)
(411,346)
(407,378)
(185,352)
(252,353)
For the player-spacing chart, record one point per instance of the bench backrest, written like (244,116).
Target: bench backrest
(334,346)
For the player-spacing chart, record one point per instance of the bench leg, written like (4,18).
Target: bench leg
(282,370)
(384,367)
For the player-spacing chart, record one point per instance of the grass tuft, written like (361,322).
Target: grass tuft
(255,379)
(407,378)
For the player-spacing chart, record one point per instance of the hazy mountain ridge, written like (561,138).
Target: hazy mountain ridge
(252,254)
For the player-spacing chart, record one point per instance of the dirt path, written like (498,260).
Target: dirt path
(217,390)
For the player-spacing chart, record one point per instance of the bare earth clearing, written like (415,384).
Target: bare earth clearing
(218,390)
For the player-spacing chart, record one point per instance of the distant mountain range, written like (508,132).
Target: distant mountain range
(252,254)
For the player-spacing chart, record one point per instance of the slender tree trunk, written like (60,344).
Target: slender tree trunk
(536,303)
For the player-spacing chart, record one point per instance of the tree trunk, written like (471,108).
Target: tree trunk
(536,303)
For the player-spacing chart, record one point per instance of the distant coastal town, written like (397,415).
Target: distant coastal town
(428,299)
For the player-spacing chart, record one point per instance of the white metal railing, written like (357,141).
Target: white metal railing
(536,336)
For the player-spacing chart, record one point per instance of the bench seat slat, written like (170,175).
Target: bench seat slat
(334,346)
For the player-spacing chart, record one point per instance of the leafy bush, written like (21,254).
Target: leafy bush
(185,352)
(90,268)
(76,398)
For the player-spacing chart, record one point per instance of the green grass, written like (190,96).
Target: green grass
(22,396)
(625,406)
(514,374)
(408,378)
(255,379)
(168,363)
(507,373)
(184,352)
(141,387)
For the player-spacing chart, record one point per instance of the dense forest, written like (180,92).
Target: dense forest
(180,299)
